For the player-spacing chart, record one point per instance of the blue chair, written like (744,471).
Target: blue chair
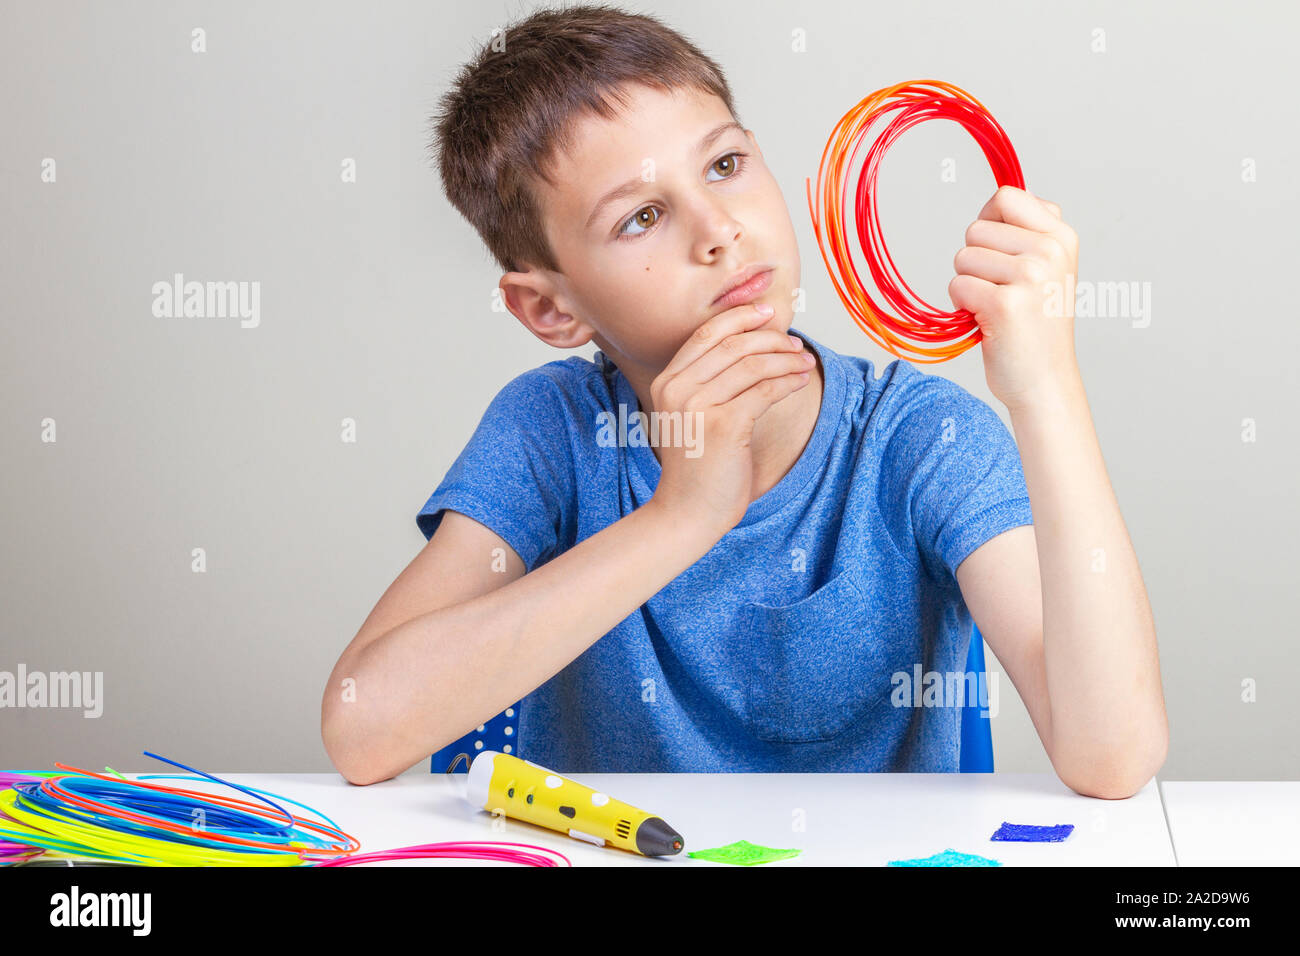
(976,731)
(499,733)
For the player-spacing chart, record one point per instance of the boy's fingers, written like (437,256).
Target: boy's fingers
(752,370)
(740,319)
(1052,207)
(1019,208)
(754,342)
(761,396)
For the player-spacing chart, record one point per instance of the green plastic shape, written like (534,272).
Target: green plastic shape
(744,853)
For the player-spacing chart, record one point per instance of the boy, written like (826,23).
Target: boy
(751,591)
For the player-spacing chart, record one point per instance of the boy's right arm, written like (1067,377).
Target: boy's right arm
(453,642)
(488,638)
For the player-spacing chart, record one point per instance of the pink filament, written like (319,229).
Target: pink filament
(457,850)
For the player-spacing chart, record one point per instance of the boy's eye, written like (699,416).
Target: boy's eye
(639,220)
(730,160)
(731,164)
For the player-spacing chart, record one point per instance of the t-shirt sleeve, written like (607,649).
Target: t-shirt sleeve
(953,471)
(516,473)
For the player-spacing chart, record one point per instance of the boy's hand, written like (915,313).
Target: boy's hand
(1017,248)
(730,372)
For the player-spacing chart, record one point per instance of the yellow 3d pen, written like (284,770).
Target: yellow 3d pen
(523,790)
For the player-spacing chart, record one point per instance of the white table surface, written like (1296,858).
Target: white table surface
(847,819)
(1234,823)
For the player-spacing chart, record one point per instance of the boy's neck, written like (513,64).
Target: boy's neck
(783,431)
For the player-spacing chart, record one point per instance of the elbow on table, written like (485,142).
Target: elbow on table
(1105,787)
(354,761)
(1117,777)
(356,770)
(365,779)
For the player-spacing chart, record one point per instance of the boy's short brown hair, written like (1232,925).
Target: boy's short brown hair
(514,103)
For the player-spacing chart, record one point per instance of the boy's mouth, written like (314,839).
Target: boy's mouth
(749,284)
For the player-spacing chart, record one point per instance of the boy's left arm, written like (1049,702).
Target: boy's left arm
(1062,602)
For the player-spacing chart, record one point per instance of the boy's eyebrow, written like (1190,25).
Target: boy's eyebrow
(632,185)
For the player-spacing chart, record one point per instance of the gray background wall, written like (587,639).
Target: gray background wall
(183,433)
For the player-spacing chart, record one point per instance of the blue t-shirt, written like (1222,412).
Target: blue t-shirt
(786,647)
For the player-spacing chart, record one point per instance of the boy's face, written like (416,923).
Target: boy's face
(641,272)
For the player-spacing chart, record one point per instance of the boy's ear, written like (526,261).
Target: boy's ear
(535,300)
